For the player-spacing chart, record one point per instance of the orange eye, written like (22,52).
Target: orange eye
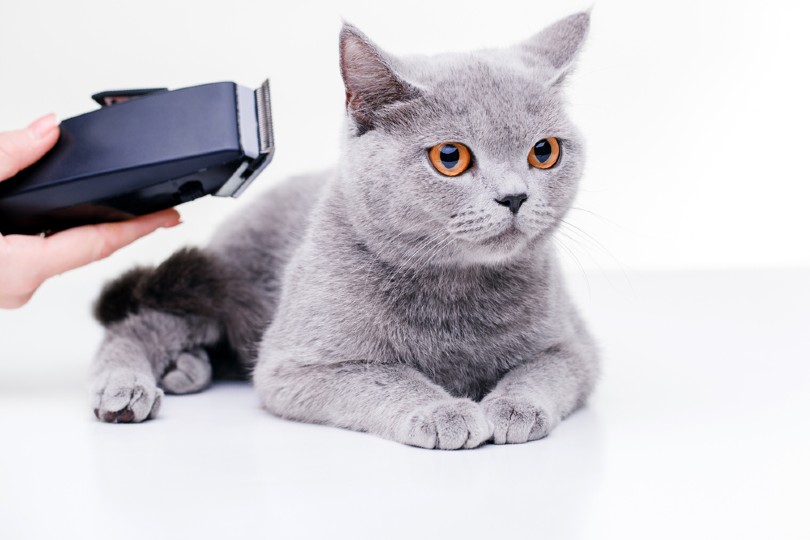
(450,158)
(545,153)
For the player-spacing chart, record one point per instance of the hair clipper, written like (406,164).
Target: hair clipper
(143,151)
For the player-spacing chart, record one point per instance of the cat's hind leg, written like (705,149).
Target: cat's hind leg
(160,323)
(143,356)
(190,373)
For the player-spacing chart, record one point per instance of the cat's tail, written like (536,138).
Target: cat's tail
(195,283)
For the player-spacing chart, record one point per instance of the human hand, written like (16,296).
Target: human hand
(27,261)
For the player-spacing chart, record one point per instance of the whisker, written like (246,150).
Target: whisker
(375,257)
(406,264)
(588,237)
(412,268)
(557,241)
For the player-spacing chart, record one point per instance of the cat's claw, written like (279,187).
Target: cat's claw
(124,396)
(515,420)
(191,372)
(447,425)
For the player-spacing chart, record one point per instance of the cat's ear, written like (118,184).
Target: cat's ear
(555,48)
(370,77)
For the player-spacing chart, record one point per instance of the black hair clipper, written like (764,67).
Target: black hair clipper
(143,151)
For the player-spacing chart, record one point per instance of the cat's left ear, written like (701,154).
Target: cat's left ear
(372,82)
(555,48)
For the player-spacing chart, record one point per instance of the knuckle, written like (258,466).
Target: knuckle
(16,301)
(9,165)
(104,244)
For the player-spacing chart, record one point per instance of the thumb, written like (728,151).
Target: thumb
(72,248)
(24,147)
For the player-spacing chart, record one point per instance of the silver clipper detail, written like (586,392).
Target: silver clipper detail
(256,136)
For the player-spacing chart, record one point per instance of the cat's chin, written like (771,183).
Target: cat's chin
(497,249)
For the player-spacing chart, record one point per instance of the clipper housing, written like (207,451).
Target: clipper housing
(143,151)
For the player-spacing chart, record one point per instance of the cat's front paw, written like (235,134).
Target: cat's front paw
(447,425)
(125,396)
(515,420)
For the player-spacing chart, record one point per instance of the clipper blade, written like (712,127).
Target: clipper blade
(264,117)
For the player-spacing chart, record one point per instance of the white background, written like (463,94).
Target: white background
(695,112)
(689,255)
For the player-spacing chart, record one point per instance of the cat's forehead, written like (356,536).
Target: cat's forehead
(491,97)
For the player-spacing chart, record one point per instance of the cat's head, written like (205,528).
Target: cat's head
(460,159)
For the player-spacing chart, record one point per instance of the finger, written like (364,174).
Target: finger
(80,246)
(14,301)
(21,148)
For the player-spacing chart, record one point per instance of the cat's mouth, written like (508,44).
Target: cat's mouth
(508,236)
(504,241)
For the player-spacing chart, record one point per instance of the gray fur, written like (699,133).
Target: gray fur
(394,300)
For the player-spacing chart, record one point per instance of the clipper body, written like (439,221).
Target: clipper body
(145,151)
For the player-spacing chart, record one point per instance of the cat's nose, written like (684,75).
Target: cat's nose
(513,201)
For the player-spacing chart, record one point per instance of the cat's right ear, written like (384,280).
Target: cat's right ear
(554,49)
(371,81)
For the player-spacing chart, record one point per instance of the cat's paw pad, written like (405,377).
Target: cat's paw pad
(124,396)
(515,420)
(191,372)
(448,425)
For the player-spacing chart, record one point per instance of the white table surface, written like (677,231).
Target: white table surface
(699,429)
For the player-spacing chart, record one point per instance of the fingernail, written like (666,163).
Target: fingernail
(174,222)
(43,126)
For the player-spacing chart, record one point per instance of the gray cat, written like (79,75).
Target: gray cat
(413,292)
